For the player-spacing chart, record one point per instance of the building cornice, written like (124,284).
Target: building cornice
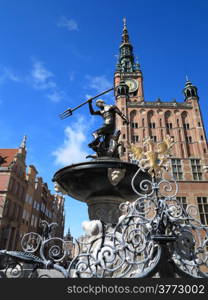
(159,104)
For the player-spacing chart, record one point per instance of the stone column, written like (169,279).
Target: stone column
(105,208)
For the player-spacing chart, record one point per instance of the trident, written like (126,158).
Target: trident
(69,111)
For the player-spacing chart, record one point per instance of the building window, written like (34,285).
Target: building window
(186,126)
(24,214)
(124,136)
(178,122)
(196,169)
(142,122)
(43,208)
(202,138)
(177,169)
(154,138)
(37,206)
(169,125)
(151,125)
(135,138)
(32,220)
(199,124)
(179,133)
(28,199)
(182,201)
(16,214)
(203,209)
(27,216)
(35,221)
(189,139)
(162,134)
(134,125)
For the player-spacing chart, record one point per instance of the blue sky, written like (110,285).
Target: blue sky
(56,53)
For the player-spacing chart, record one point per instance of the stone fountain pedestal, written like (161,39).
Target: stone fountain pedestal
(101,183)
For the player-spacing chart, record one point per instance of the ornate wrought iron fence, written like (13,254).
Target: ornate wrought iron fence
(154,237)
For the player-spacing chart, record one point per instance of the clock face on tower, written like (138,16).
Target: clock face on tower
(132,84)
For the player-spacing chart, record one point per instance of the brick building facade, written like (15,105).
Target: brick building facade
(181,120)
(24,199)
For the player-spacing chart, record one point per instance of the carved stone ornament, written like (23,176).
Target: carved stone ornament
(93,227)
(115,175)
(59,189)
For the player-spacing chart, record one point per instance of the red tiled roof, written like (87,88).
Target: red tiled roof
(9,155)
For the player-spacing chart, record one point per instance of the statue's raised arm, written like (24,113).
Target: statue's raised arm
(92,111)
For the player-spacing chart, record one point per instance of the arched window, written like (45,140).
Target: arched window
(185,120)
(143,122)
(168,121)
(151,121)
(188,93)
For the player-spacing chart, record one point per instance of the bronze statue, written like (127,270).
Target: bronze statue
(105,142)
(106,146)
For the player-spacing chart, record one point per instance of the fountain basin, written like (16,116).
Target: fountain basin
(91,179)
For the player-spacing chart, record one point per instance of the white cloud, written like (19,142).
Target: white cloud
(41,77)
(99,83)
(73,148)
(8,74)
(11,75)
(72,76)
(56,96)
(70,24)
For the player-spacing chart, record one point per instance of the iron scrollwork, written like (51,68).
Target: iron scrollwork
(154,237)
(152,231)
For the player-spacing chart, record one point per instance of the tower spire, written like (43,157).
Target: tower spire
(23,143)
(126,62)
(22,149)
(125,35)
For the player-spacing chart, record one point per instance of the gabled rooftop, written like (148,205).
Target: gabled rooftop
(7,156)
